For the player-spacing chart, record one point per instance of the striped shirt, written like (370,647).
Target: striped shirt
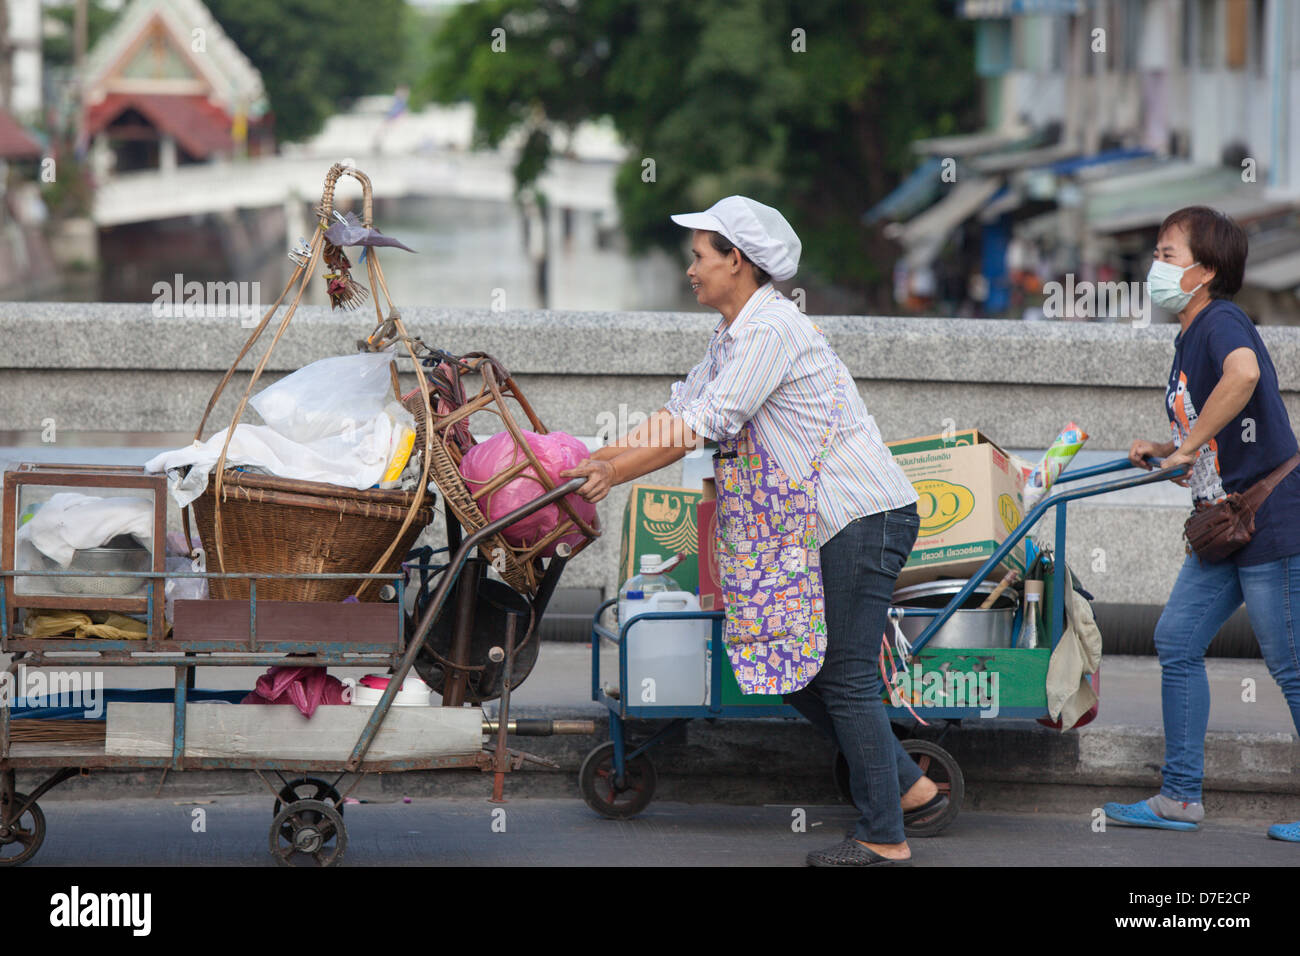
(772,367)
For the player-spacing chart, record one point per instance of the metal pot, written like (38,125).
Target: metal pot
(968,627)
(122,553)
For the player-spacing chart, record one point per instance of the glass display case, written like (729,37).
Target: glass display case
(97,523)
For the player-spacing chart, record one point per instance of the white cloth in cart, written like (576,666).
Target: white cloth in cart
(355,458)
(1076,656)
(69,521)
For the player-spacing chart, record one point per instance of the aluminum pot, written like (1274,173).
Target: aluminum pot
(122,553)
(968,627)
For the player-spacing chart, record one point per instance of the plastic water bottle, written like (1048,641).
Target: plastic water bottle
(653,579)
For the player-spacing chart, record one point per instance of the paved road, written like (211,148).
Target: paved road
(540,832)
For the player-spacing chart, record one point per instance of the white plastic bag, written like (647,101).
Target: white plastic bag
(330,397)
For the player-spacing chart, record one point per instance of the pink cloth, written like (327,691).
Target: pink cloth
(555,451)
(304,687)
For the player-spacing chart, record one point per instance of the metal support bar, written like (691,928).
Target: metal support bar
(1027,524)
(501,759)
(178,718)
(452,574)
(1059,597)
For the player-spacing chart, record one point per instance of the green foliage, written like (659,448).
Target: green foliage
(56,48)
(315,56)
(716,94)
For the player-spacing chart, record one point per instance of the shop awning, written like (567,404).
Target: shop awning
(1276,275)
(1002,9)
(16,142)
(1143,199)
(973,144)
(918,190)
(925,235)
(199,127)
(1010,161)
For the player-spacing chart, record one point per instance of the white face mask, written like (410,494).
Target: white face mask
(1164,286)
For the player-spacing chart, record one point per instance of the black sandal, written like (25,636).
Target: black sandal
(852,853)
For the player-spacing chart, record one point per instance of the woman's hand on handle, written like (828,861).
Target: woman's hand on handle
(600,475)
(1140,450)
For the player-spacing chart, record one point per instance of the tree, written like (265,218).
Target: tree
(809,105)
(315,55)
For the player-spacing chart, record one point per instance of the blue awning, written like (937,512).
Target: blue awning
(918,190)
(1065,167)
(985,9)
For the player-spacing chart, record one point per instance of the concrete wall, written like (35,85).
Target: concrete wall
(100,367)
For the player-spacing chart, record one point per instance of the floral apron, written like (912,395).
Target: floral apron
(775,632)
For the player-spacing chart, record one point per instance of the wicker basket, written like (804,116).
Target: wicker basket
(495,392)
(259,523)
(279,526)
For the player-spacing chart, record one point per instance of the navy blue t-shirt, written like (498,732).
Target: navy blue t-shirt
(1255,442)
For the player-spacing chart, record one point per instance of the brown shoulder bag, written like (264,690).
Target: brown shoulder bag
(1215,531)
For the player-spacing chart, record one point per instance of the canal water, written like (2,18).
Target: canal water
(468,254)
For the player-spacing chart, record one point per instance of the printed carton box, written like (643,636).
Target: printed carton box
(970,500)
(661,520)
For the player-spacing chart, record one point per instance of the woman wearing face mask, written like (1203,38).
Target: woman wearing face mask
(1231,428)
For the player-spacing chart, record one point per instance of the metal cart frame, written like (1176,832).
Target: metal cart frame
(302,825)
(617,780)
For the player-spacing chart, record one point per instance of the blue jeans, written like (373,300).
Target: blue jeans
(859,568)
(1204,597)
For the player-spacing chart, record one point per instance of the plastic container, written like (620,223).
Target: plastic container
(666,659)
(414,692)
(653,579)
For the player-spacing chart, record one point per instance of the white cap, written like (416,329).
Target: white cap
(759,231)
(650,563)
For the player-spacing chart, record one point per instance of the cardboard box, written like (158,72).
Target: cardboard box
(970,500)
(661,520)
(930,442)
(706,520)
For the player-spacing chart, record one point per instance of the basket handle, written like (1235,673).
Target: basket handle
(336,172)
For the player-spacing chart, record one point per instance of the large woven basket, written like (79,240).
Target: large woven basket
(280,526)
(264,524)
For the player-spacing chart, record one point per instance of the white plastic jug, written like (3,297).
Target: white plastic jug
(665,659)
(653,577)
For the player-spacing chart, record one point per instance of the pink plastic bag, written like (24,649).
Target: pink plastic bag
(555,451)
(304,687)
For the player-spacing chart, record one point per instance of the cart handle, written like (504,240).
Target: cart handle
(434,608)
(1028,522)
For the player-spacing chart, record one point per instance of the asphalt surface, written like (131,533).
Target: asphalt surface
(458,831)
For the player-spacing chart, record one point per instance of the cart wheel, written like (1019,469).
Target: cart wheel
(308,788)
(20,839)
(596,781)
(940,766)
(310,828)
(937,764)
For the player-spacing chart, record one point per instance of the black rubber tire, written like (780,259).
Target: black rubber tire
(937,764)
(596,782)
(307,828)
(941,767)
(313,788)
(33,835)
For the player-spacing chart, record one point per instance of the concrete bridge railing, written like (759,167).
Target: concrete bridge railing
(94,368)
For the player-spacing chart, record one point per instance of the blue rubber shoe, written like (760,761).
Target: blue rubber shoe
(1285,831)
(1141,815)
